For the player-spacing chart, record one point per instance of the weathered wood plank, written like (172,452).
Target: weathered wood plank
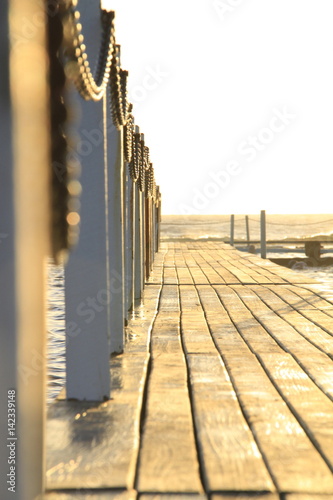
(91,445)
(308,403)
(230,457)
(244,496)
(195,333)
(316,363)
(293,461)
(168,458)
(91,495)
(303,325)
(174,496)
(304,496)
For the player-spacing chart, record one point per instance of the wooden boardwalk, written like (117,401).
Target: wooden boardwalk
(225,389)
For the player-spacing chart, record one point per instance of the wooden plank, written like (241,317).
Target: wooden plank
(313,299)
(252,271)
(320,290)
(174,496)
(90,495)
(168,458)
(316,363)
(317,336)
(297,496)
(156,275)
(229,454)
(91,445)
(244,496)
(307,401)
(195,332)
(293,461)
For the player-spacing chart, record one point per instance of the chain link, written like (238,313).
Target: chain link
(77,67)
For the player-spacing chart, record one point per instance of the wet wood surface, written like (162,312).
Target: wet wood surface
(224,390)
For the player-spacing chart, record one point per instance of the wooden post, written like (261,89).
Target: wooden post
(24,245)
(247,230)
(263,234)
(232,229)
(87,280)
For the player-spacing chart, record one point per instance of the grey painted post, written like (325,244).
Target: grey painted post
(263,234)
(24,237)
(87,287)
(232,229)
(138,270)
(142,238)
(87,282)
(152,232)
(116,237)
(129,241)
(247,229)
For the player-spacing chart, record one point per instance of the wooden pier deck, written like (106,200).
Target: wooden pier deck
(225,390)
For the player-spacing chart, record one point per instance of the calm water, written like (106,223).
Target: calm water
(198,227)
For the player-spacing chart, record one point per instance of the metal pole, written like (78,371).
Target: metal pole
(263,234)
(247,230)
(232,229)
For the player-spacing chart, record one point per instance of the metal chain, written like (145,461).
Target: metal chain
(78,68)
(64,202)
(134,165)
(117,93)
(128,137)
(142,170)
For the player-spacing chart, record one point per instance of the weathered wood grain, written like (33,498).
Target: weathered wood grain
(91,445)
(238,383)
(244,496)
(229,454)
(174,496)
(317,336)
(297,496)
(168,459)
(91,495)
(311,407)
(281,438)
(317,364)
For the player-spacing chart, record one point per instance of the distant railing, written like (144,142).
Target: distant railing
(312,246)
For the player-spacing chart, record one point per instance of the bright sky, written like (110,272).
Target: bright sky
(235,100)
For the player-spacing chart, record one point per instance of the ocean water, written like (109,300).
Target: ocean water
(279,227)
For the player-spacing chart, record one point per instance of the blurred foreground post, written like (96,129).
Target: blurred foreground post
(263,234)
(24,246)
